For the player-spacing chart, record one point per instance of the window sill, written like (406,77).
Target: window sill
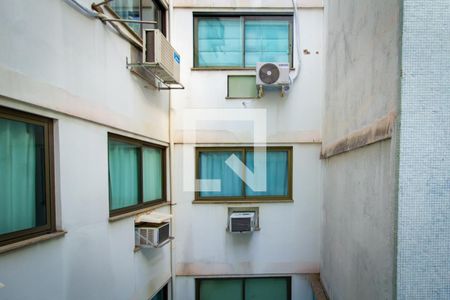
(241,201)
(226,69)
(242,98)
(32,241)
(137,212)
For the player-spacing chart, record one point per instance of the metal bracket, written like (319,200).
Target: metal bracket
(162,85)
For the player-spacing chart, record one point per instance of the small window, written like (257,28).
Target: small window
(26,177)
(267,288)
(242,87)
(240,41)
(163,294)
(141,10)
(211,164)
(136,174)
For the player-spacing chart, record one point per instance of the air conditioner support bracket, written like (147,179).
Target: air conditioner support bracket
(159,245)
(162,84)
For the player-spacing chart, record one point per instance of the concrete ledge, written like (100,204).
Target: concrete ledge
(137,212)
(203,136)
(240,201)
(217,4)
(236,269)
(31,241)
(379,130)
(317,287)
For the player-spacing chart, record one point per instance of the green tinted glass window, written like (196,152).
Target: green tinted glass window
(136,174)
(26,198)
(242,86)
(266,288)
(221,289)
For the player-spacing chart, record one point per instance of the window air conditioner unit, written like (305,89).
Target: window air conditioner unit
(242,222)
(268,73)
(152,235)
(160,57)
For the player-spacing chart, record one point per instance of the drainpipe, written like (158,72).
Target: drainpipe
(171,166)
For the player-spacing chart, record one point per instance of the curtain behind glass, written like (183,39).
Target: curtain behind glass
(266,41)
(222,289)
(21,176)
(123,174)
(219,42)
(277,173)
(213,166)
(152,174)
(266,289)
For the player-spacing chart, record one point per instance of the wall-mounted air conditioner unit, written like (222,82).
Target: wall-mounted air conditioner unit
(242,221)
(160,57)
(272,74)
(152,235)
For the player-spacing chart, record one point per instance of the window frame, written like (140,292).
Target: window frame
(158,3)
(165,290)
(243,16)
(49,174)
(244,198)
(199,280)
(141,202)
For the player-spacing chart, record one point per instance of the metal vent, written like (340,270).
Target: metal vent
(164,233)
(150,47)
(269,73)
(153,235)
(240,224)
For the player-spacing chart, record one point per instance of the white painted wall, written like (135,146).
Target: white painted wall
(58,63)
(290,119)
(289,240)
(359,187)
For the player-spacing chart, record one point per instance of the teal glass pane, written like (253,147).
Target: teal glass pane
(221,289)
(123,174)
(152,174)
(22,176)
(219,42)
(266,289)
(277,176)
(266,41)
(129,10)
(213,166)
(242,86)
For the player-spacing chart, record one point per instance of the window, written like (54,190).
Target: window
(240,41)
(267,288)
(242,87)
(211,164)
(136,174)
(141,10)
(162,294)
(26,174)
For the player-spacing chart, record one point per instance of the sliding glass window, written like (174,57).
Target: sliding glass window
(241,40)
(213,165)
(141,10)
(26,177)
(267,288)
(136,174)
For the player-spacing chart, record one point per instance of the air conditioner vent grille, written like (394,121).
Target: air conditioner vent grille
(240,224)
(269,73)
